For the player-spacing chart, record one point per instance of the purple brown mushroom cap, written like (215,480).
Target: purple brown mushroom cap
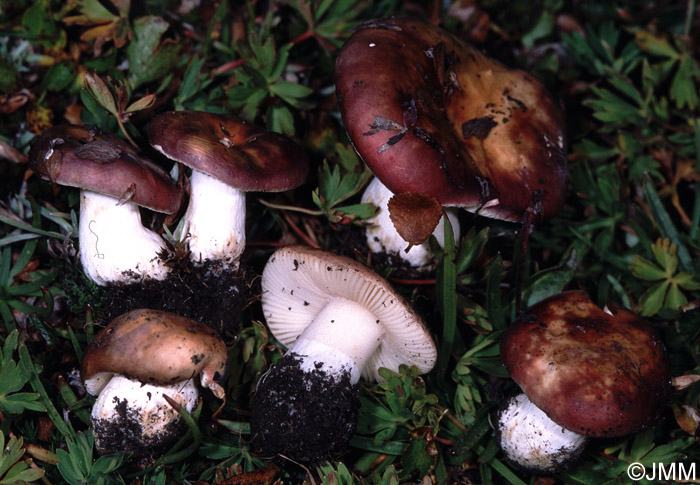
(431,115)
(244,156)
(596,373)
(84,156)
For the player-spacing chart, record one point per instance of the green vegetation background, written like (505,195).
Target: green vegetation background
(626,73)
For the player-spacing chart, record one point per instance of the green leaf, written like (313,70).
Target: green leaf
(471,247)
(8,77)
(654,44)
(493,295)
(59,77)
(149,58)
(684,90)
(652,301)
(548,282)
(666,226)
(675,298)
(280,120)
(646,270)
(100,91)
(290,92)
(445,288)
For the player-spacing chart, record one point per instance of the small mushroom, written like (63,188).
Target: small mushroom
(382,236)
(593,372)
(228,157)
(431,115)
(114,181)
(340,321)
(139,357)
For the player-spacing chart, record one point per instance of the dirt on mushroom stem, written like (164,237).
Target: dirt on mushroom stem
(210,293)
(305,416)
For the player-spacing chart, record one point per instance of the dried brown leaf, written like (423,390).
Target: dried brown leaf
(415,216)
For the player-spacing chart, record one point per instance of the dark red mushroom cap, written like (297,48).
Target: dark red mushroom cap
(592,372)
(244,156)
(84,156)
(431,115)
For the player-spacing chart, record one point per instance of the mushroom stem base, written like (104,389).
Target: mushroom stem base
(114,246)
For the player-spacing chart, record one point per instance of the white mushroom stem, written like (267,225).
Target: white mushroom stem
(114,246)
(531,439)
(133,405)
(383,237)
(215,220)
(341,338)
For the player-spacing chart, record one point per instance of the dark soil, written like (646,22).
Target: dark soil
(305,416)
(124,433)
(209,293)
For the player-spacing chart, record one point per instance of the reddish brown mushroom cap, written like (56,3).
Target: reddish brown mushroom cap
(86,157)
(431,115)
(244,156)
(592,372)
(155,347)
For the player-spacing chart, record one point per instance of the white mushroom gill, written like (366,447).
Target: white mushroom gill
(114,245)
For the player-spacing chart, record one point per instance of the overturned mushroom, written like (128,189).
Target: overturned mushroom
(228,157)
(114,181)
(139,357)
(592,372)
(340,321)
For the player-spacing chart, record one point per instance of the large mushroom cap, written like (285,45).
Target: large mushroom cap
(155,347)
(592,372)
(431,115)
(244,156)
(298,282)
(86,157)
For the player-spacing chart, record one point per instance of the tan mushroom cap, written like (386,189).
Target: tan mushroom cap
(86,157)
(243,156)
(591,372)
(430,114)
(155,347)
(297,283)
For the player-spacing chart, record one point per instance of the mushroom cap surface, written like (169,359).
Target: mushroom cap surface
(244,156)
(86,157)
(430,114)
(592,372)
(155,347)
(298,282)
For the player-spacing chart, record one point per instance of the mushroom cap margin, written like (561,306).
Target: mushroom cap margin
(155,347)
(595,373)
(86,157)
(239,154)
(298,281)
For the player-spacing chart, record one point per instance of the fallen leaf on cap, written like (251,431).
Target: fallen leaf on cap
(415,216)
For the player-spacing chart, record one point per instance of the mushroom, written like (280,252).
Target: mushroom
(340,321)
(592,373)
(132,363)
(454,124)
(382,236)
(228,157)
(114,181)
